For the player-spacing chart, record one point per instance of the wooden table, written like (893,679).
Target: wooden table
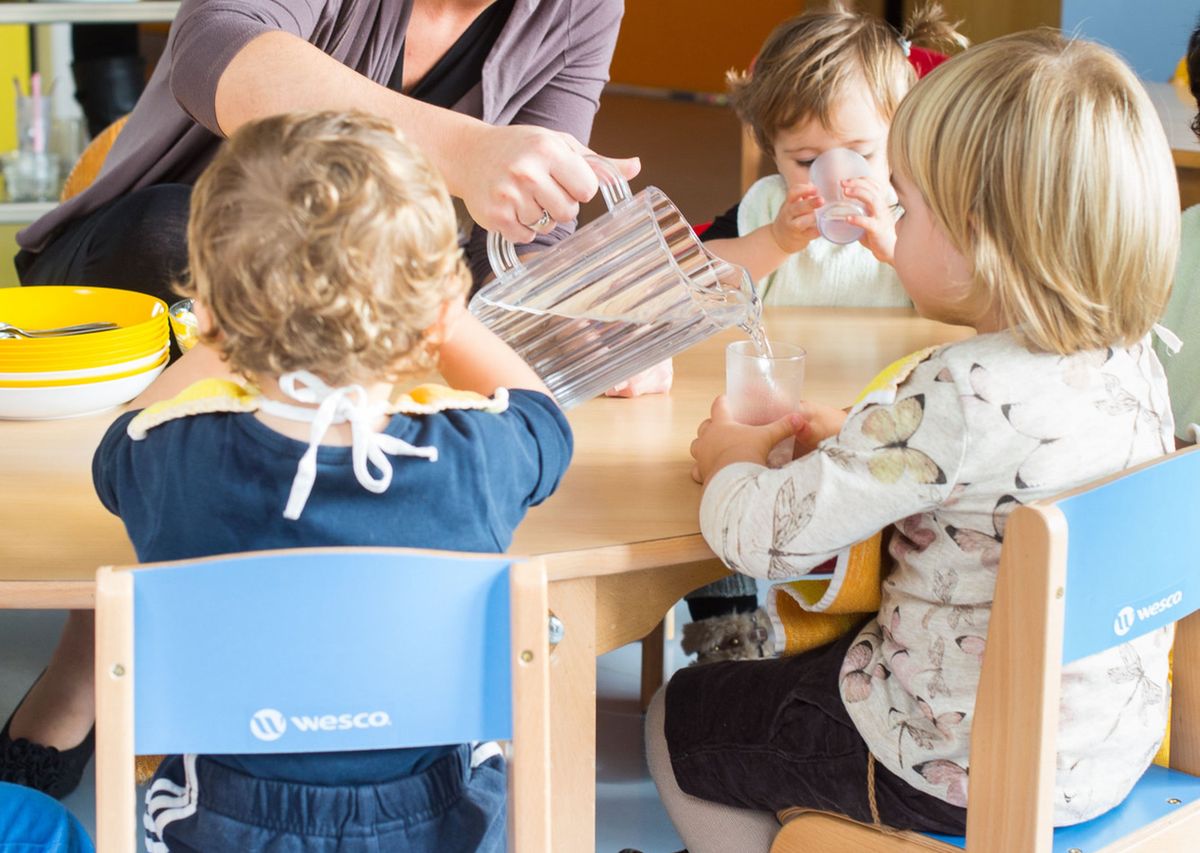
(626,506)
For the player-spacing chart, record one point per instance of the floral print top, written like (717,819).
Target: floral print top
(976,429)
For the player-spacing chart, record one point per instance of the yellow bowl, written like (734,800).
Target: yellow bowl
(49,348)
(84,357)
(44,348)
(49,307)
(78,344)
(88,380)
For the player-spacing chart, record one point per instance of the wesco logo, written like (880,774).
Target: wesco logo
(268,724)
(1127,616)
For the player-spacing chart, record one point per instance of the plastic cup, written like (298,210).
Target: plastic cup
(827,173)
(31,176)
(184,324)
(762,389)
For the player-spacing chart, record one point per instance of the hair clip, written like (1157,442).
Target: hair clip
(905,45)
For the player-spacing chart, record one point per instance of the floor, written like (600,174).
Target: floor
(690,151)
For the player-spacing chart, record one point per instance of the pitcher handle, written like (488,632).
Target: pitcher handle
(614,189)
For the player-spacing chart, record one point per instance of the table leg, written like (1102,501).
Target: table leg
(573,717)
(652,662)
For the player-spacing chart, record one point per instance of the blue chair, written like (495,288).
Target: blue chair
(1078,574)
(30,820)
(240,654)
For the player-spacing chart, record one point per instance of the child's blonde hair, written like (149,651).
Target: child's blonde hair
(323,241)
(1045,163)
(806,62)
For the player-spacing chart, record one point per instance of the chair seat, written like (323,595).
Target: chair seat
(1146,803)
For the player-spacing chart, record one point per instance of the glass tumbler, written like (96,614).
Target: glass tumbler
(763,388)
(827,173)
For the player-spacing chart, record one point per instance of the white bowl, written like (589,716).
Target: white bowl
(86,372)
(65,401)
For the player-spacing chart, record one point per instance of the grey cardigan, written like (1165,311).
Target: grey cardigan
(547,68)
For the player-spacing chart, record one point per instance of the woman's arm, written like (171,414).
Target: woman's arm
(505,175)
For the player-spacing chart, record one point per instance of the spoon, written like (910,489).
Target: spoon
(7,330)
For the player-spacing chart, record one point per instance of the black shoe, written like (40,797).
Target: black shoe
(46,768)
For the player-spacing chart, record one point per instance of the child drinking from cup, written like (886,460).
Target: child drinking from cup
(325,269)
(1052,231)
(823,80)
(826,79)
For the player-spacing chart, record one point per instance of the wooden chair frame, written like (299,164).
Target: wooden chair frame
(1016,719)
(529,814)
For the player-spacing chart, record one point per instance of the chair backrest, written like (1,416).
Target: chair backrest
(317,650)
(1131,555)
(91,161)
(1089,570)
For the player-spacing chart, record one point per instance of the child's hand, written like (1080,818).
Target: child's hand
(879,223)
(795,225)
(653,380)
(722,441)
(819,423)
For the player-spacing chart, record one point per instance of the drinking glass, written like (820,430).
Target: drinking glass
(827,173)
(763,388)
(184,324)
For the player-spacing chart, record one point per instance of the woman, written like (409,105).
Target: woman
(500,94)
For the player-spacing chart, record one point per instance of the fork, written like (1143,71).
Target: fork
(8,331)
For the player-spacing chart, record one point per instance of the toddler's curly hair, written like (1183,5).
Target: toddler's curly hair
(322,241)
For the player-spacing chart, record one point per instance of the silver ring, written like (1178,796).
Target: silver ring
(542,222)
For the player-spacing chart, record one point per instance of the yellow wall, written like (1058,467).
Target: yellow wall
(14,62)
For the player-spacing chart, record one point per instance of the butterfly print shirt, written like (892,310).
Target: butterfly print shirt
(976,429)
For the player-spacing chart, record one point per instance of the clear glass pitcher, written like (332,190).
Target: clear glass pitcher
(624,292)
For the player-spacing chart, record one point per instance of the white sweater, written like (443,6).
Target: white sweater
(825,273)
(978,428)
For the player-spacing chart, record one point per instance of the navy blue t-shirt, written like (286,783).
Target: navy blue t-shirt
(218,483)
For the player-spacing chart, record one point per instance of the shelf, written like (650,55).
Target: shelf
(24,212)
(87,13)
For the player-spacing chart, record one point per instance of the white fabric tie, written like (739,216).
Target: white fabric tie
(348,404)
(1170,340)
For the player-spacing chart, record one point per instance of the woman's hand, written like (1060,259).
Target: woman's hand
(653,380)
(795,226)
(722,441)
(507,176)
(818,423)
(879,223)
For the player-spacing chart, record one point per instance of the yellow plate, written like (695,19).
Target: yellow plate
(84,358)
(31,350)
(49,307)
(54,383)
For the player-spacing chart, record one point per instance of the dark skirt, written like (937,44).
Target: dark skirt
(774,734)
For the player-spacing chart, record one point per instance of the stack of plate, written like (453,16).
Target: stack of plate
(57,377)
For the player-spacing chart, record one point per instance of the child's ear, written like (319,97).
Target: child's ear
(204,318)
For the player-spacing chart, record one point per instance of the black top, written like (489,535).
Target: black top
(724,227)
(461,67)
